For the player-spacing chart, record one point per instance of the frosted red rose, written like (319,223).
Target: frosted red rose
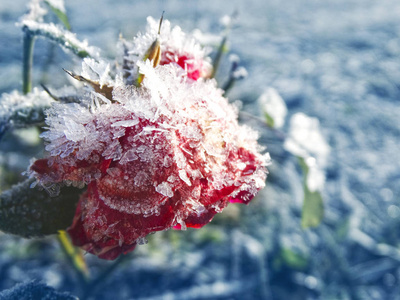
(168,154)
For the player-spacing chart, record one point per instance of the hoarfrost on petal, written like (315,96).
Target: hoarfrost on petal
(184,177)
(129,155)
(125,123)
(165,189)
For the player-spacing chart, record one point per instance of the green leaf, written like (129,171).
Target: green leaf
(31,212)
(313,206)
(269,120)
(313,209)
(62,16)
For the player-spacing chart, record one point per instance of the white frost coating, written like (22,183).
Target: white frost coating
(240,73)
(272,104)
(58,34)
(17,110)
(165,189)
(305,140)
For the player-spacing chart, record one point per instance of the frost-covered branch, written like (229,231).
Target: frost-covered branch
(17,111)
(62,37)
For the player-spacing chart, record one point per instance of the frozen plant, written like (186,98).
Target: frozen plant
(167,154)
(305,141)
(157,149)
(149,144)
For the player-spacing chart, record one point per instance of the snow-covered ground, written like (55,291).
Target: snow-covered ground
(335,60)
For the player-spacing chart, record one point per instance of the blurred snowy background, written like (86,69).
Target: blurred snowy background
(335,60)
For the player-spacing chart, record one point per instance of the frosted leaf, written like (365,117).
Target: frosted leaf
(305,139)
(273,106)
(165,189)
